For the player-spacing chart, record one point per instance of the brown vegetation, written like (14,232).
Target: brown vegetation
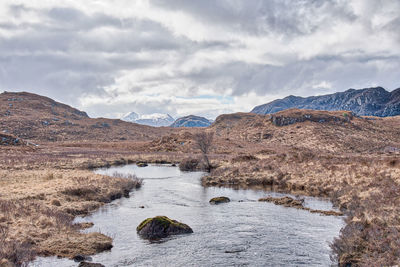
(37,208)
(203,141)
(298,204)
(189,164)
(354,161)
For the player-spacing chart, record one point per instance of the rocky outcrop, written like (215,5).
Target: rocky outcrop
(191,121)
(12,140)
(7,139)
(160,227)
(219,200)
(364,102)
(293,116)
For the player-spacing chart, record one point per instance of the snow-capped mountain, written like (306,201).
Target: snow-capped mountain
(155,119)
(130,117)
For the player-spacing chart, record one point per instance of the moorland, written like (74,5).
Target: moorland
(48,152)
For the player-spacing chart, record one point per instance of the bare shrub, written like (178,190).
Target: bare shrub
(189,164)
(86,192)
(371,236)
(16,253)
(204,141)
(137,182)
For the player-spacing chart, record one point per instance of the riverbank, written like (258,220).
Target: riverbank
(365,188)
(245,231)
(38,206)
(53,192)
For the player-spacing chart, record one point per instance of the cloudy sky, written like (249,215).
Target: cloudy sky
(109,57)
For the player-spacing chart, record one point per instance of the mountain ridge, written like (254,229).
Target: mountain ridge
(374,101)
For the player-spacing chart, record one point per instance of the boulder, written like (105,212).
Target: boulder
(142,164)
(81,258)
(89,264)
(219,200)
(160,227)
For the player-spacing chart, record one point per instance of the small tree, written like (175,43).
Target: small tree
(204,142)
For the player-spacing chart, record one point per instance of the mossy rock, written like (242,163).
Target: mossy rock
(219,200)
(142,164)
(160,227)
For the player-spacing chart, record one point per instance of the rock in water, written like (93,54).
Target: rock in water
(89,264)
(142,164)
(160,227)
(219,200)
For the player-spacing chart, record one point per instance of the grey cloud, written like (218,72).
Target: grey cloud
(67,54)
(262,17)
(62,59)
(300,76)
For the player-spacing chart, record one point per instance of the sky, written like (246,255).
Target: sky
(111,57)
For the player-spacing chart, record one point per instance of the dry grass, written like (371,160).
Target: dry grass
(37,208)
(366,189)
(189,164)
(353,161)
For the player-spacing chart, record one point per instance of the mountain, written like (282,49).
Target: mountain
(191,121)
(130,117)
(364,102)
(33,117)
(155,119)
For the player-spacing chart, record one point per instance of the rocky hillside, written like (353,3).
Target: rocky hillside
(328,131)
(34,117)
(191,121)
(364,102)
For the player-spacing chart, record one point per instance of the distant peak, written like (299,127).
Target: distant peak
(154,119)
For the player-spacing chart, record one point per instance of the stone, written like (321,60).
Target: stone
(160,227)
(219,200)
(89,264)
(142,164)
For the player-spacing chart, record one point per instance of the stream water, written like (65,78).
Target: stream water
(243,232)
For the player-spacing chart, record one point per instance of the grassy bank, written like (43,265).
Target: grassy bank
(37,208)
(365,188)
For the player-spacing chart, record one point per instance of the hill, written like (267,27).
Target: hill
(323,131)
(191,121)
(363,102)
(34,117)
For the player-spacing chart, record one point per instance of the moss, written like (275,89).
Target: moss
(143,224)
(218,200)
(162,220)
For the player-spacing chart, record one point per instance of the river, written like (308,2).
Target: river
(243,232)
